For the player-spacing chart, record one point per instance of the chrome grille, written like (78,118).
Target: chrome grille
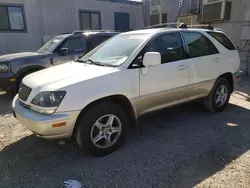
(24,92)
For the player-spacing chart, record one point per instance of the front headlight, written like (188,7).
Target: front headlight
(47,102)
(4,67)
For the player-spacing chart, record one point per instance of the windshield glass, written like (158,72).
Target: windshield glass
(51,45)
(116,50)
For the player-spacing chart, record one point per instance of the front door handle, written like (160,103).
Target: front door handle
(182,67)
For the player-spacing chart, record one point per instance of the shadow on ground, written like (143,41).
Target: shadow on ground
(176,147)
(5,103)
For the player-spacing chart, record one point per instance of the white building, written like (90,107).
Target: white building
(25,23)
(162,11)
(233,16)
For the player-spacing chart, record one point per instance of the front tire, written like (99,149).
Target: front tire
(219,97)
(102,130)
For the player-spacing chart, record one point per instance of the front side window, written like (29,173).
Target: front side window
(198,45)
(89,20)
(12,18)
(117,50)
(169,46)
(221,38)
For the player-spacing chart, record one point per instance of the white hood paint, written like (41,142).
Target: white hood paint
(66,74)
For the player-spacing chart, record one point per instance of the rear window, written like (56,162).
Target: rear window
(95,40)
(221,38)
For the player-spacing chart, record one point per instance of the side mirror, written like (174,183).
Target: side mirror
(64,51)
(151,59)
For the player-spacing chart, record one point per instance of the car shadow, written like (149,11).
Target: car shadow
(175,147)
(243,88)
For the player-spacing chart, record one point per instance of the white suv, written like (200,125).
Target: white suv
(98,97)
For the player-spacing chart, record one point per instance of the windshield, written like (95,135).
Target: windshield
(51,45)
(116,50)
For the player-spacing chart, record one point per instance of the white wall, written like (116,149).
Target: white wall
(53,17)
(170,7)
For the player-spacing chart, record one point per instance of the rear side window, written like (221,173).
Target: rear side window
(221,38)
(95,40)
(199,45)
(77,44)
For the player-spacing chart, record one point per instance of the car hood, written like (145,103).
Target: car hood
(59,76)
(23,55)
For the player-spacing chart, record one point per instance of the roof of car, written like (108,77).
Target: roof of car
(158,30)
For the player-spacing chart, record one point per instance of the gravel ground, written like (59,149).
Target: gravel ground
(182,146)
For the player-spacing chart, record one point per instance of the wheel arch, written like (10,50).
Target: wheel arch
(120,100)
(27,70)
(228,76)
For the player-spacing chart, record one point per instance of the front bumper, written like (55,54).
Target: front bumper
(7,80)
(42,125)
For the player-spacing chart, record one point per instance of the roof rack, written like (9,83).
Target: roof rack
(202,26)
(219,29)
(180,25)
(172,24)
(88,31)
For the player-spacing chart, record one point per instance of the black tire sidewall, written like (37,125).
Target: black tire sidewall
(86,123)
(219,83)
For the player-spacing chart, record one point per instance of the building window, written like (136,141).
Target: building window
(155,2)
(90,20)
(164,18)
(154,19)
(180,3)
(12,18)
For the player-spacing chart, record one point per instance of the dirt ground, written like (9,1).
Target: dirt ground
(184,146)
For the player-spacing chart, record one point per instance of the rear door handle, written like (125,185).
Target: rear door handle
(182,67)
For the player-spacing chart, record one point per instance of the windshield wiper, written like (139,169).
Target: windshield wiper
(80,61)
(95,62)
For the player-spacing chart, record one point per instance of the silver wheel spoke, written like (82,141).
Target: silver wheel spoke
(99,125)
(115,130)
(98,137)
(218,100)
(110,120)
(222,90)
(108,140)
(224,98)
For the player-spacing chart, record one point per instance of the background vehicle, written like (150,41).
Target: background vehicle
(61,49)
(98,100)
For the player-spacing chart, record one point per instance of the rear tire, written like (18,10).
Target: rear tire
(97,134)
(219,97)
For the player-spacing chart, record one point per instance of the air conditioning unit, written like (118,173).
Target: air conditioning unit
(216,10)
(190,19)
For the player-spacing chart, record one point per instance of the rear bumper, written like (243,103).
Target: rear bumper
(237,76)
(7,81)
(42,125)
